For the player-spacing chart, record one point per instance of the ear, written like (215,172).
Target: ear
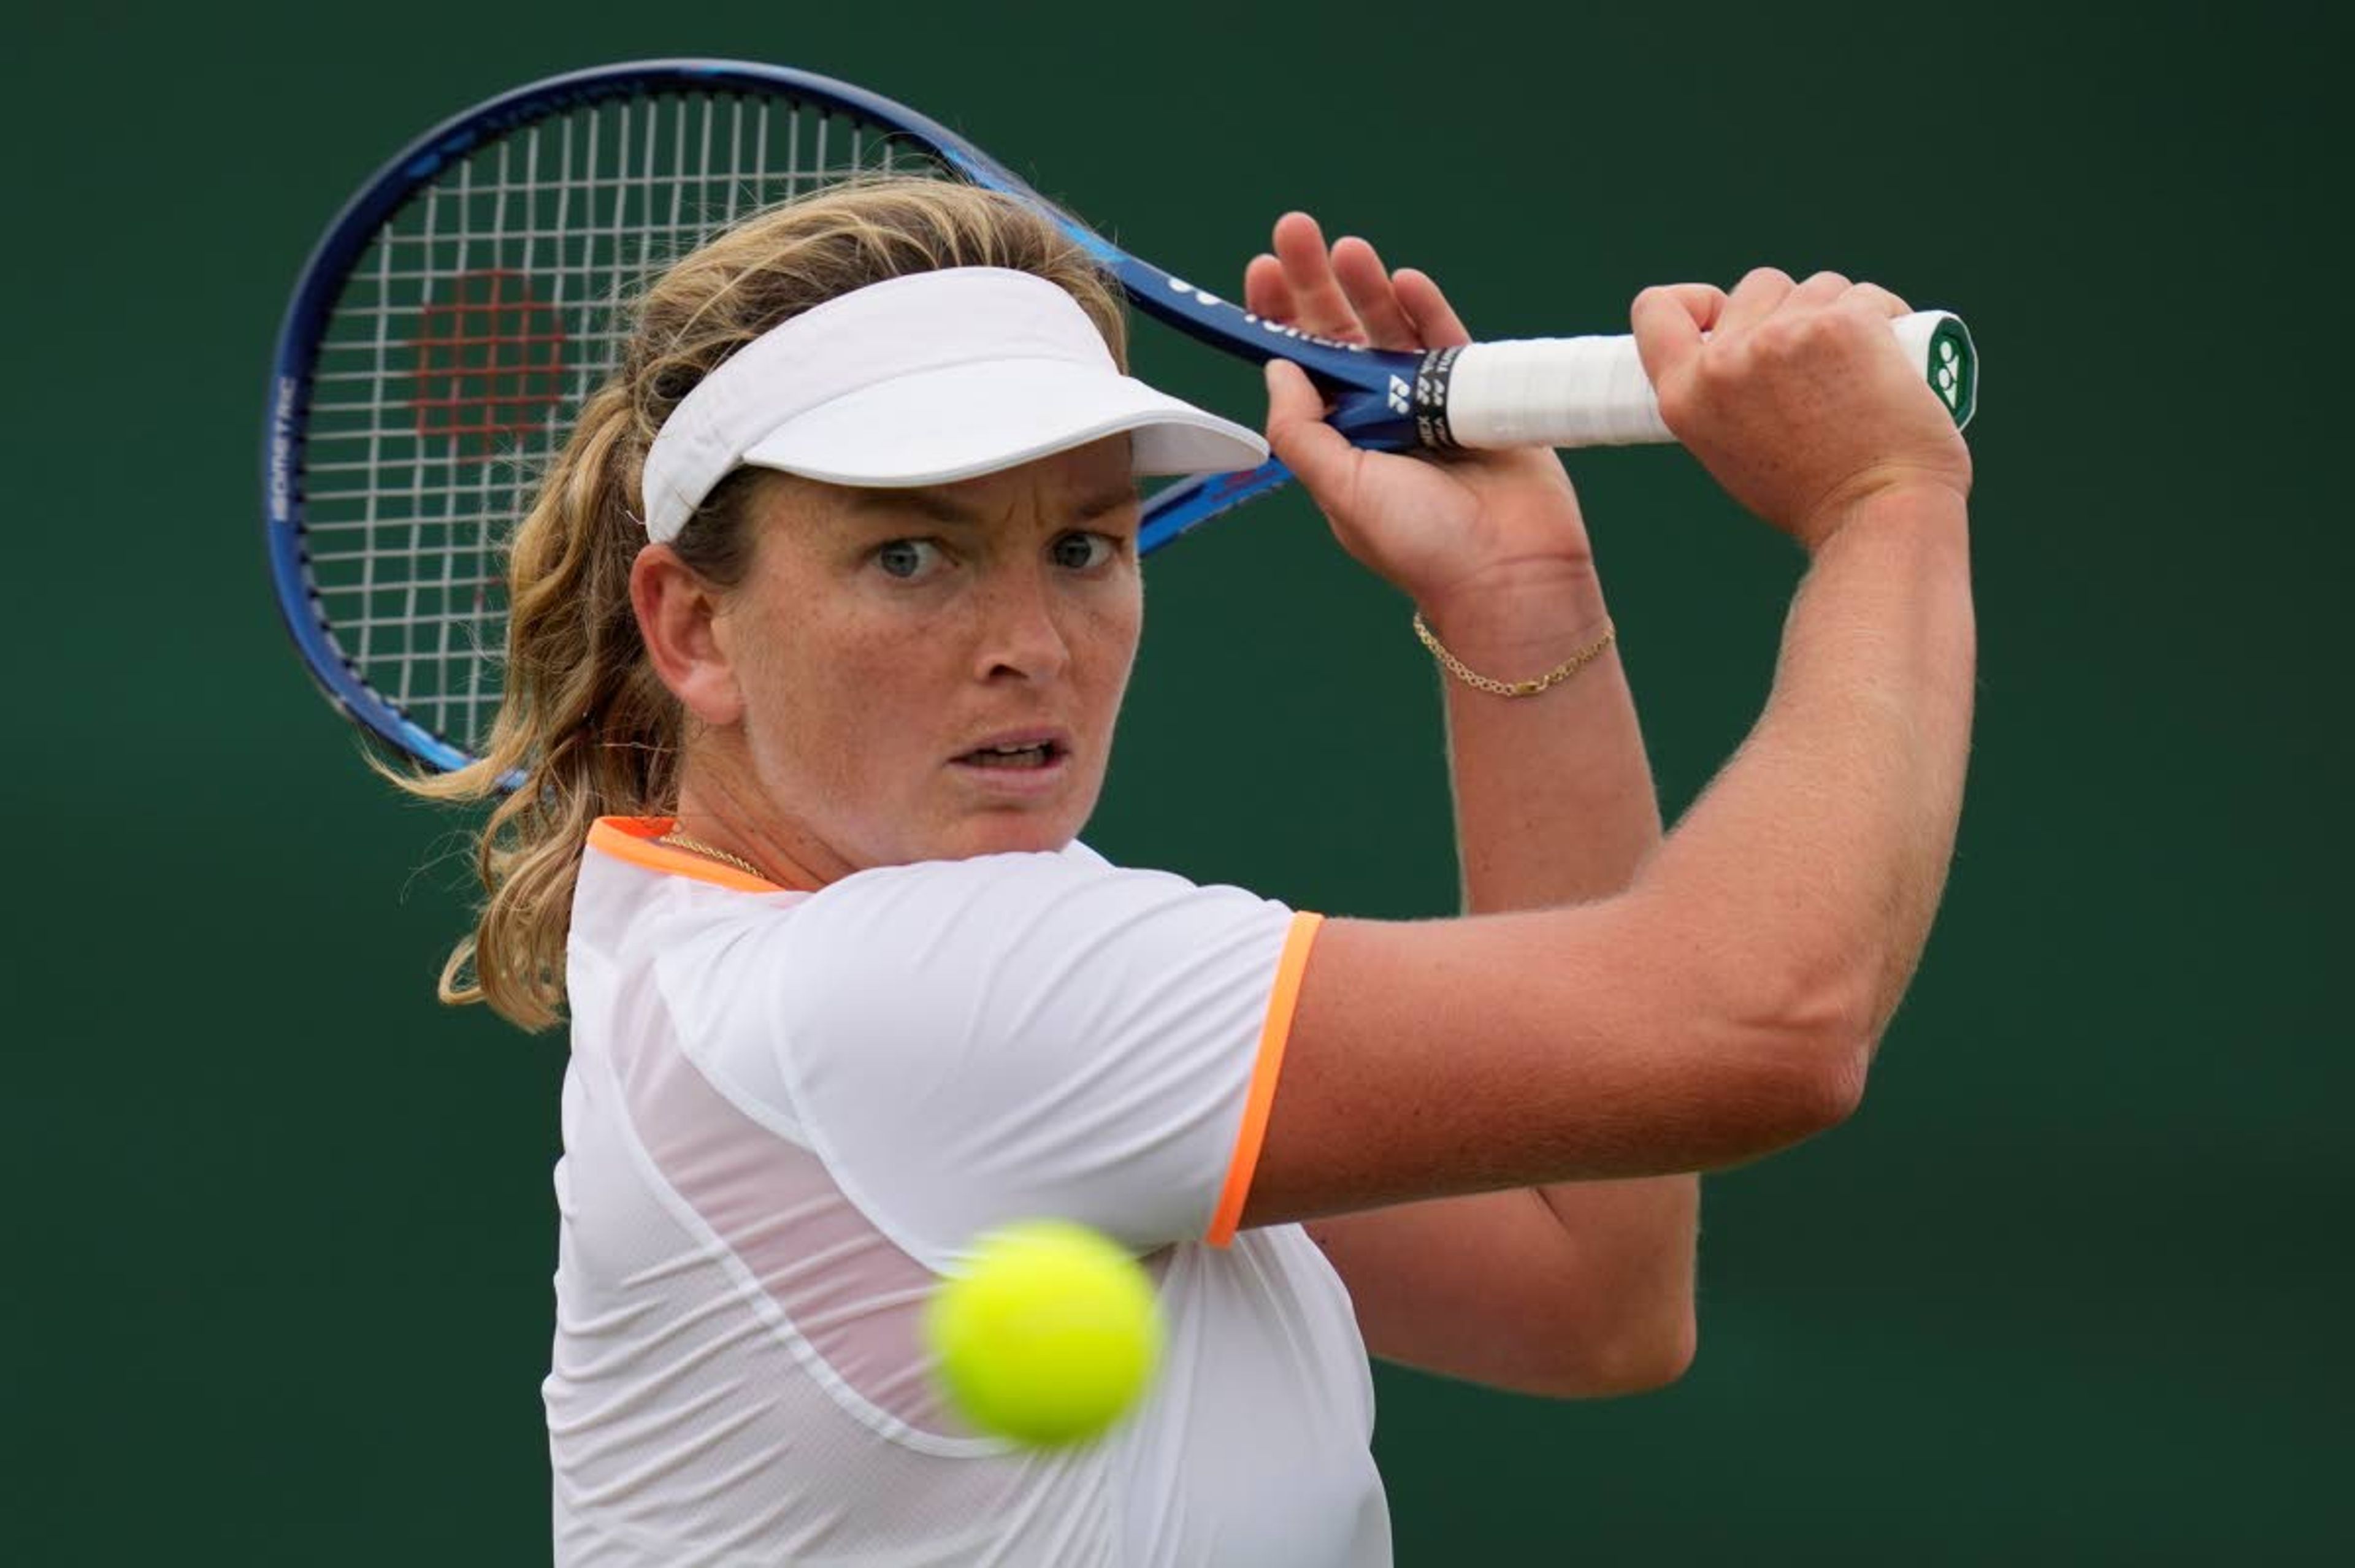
(676,609)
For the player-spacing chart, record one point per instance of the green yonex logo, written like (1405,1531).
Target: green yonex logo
(1953,371)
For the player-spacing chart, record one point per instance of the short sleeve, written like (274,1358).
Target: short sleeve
(971,1042)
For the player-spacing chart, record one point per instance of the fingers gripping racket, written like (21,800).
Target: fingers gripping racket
(466,303)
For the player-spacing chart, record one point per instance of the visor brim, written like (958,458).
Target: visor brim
(935,427)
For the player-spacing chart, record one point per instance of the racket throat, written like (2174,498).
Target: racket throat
(1409,407)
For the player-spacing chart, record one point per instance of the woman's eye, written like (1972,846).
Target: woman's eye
(1078,552)
(906,560)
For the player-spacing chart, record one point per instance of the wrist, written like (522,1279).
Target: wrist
(1913,503)
(1523,622)
(1527,686)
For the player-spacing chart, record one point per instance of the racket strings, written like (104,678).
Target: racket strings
(468,335)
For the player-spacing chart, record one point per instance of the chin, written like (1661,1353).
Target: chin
(1011,833)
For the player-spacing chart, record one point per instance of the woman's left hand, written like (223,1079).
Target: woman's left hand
(1471,526)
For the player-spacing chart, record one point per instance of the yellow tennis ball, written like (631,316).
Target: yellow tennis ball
(1048,1333)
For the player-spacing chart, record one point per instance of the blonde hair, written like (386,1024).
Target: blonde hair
(583,719)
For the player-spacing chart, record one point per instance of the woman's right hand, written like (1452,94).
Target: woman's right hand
(1796,398)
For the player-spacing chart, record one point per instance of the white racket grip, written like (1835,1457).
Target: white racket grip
(1592,391)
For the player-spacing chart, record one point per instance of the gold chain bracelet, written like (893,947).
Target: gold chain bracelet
(1553,676)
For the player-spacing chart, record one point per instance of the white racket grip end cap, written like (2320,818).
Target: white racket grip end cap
(1592,391)
(1937,341)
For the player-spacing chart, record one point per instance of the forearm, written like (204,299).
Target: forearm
(1821,849)
(1554,804)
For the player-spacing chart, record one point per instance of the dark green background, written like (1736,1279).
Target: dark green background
(2071,1286)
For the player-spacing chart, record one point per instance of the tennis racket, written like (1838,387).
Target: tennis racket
(466,301)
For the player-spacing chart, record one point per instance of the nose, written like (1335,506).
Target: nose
(1021,636)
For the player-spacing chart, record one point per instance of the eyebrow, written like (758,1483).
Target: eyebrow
(941,509)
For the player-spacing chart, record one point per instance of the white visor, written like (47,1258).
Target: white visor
(924,379)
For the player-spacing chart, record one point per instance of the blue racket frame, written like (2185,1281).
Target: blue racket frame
(1371,390)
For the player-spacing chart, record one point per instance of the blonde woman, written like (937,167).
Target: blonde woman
(820,629)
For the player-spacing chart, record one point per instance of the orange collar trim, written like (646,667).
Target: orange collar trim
(637,840)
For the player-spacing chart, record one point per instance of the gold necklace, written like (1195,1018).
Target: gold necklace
(699,847)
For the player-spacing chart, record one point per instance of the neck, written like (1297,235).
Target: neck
(714,807)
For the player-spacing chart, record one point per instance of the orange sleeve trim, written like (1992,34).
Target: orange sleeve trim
(1273,1035)
(634,839)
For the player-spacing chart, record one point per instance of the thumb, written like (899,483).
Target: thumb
(1320,455)
(1668,322)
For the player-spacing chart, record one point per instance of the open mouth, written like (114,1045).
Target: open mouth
(1039,754)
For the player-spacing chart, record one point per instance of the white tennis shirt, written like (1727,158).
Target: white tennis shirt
(786,1114)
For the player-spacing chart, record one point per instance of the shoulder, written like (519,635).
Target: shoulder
(1013,960)
(974,1040)
(1032,953)
(999,923)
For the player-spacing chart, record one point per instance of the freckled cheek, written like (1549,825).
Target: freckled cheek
(844,709)
(1111,633)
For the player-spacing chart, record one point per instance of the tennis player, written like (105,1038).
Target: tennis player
(820,628)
